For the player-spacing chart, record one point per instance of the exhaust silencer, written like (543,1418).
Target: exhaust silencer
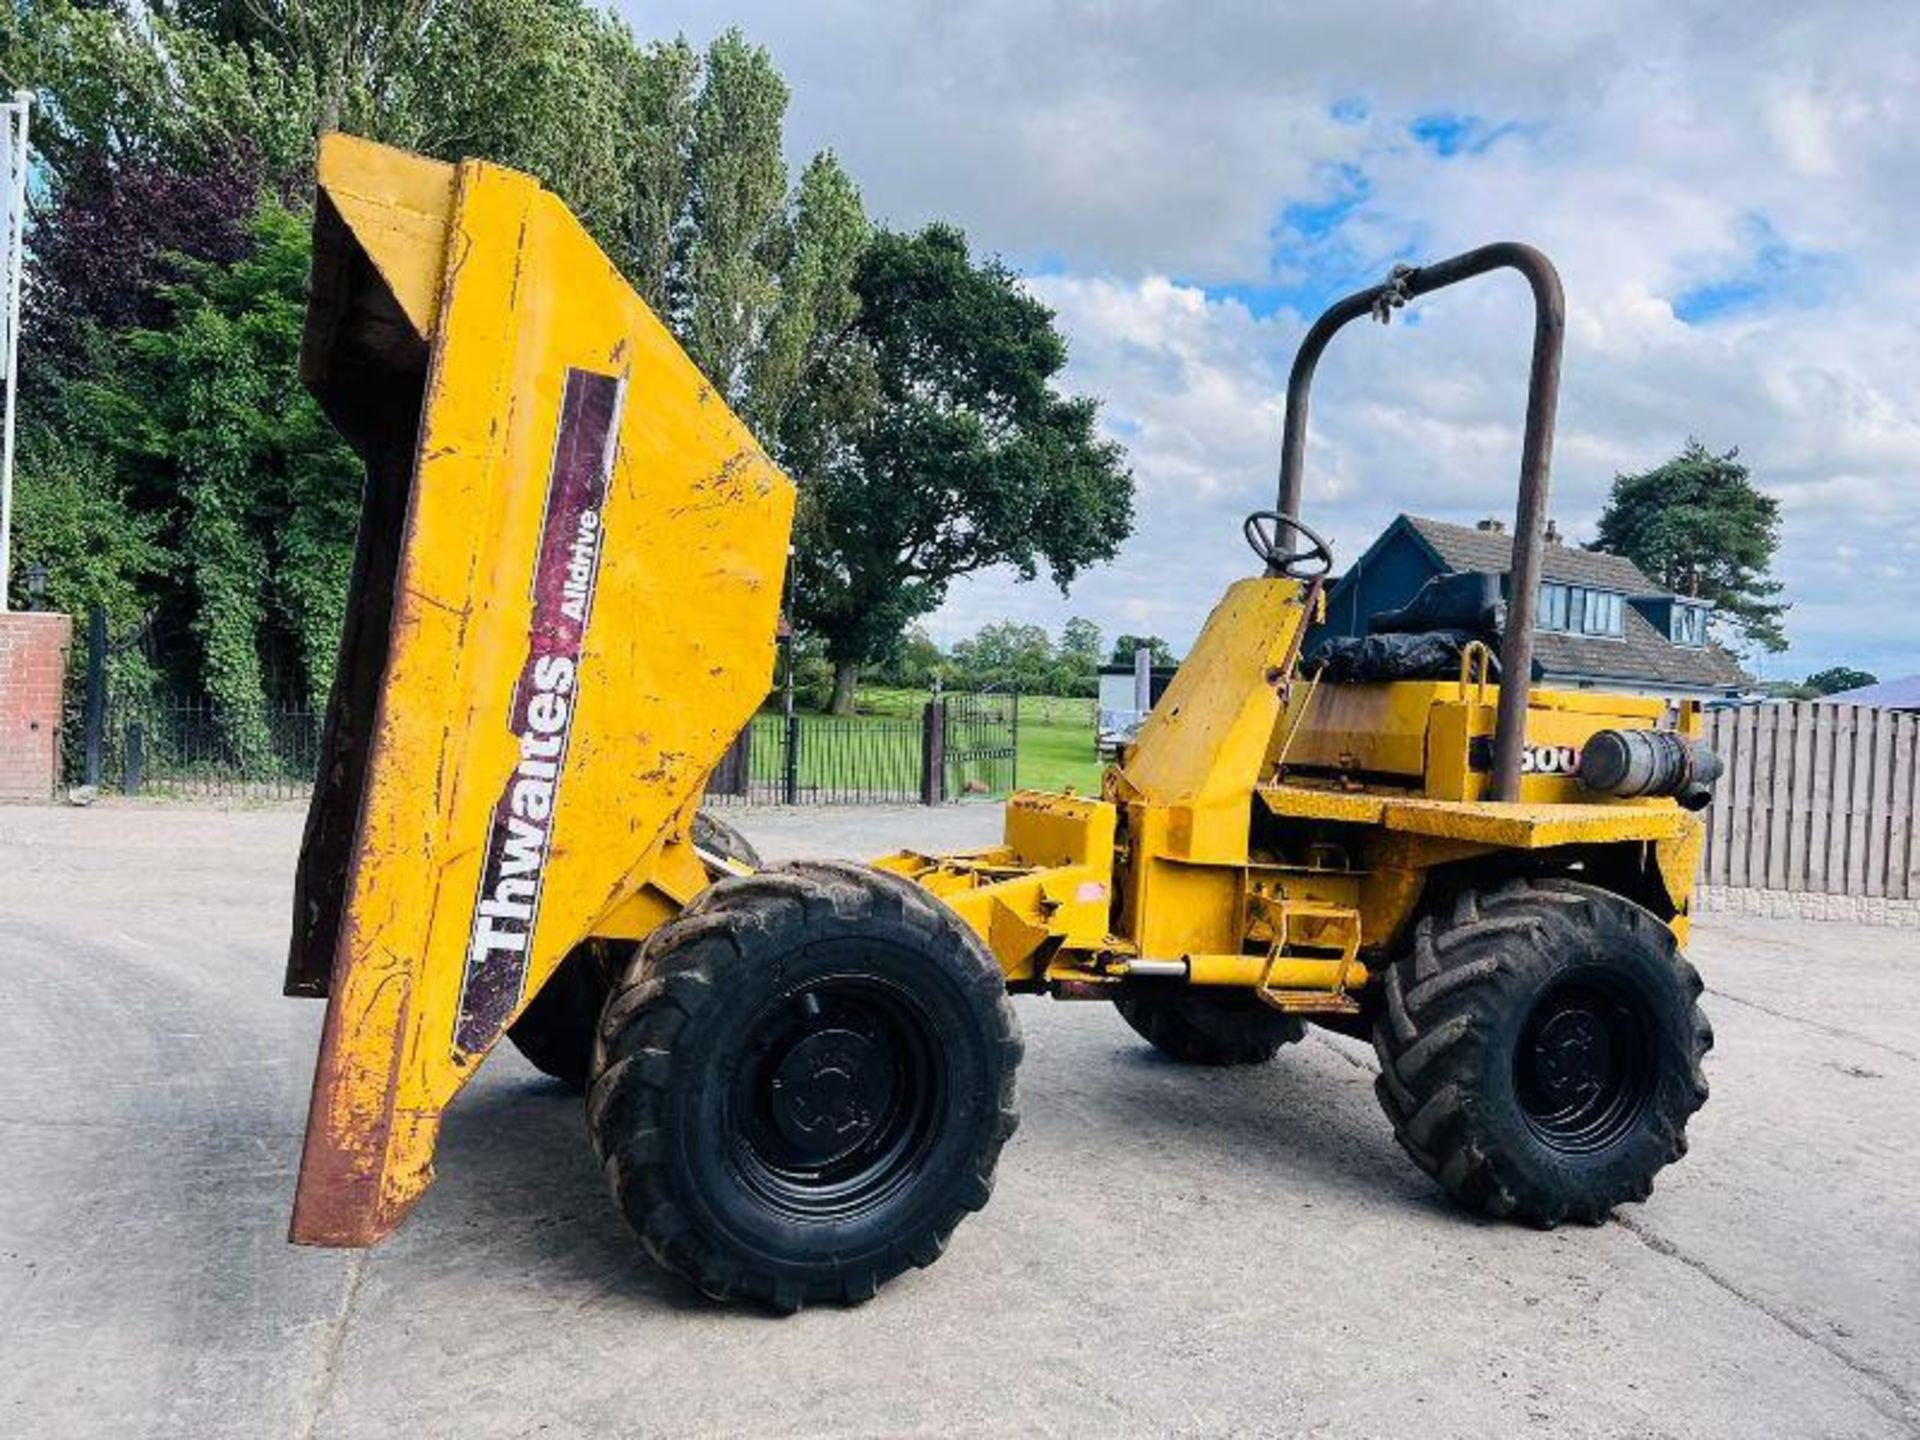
(562,611)
(1631,763)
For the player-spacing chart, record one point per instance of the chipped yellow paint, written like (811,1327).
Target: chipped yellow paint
(1186,781)
(1520,826)
(398,206)
(1051,881)
(1678,861)
(512,294)
(1200,750)
(1423,731)
(1264,972)
(1262,832)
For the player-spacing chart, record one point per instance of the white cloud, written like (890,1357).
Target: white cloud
(1657,148)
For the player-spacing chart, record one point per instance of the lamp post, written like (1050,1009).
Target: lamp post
(13,176)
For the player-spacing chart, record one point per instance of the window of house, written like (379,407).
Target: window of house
(1581,610)
(1689,625)
(1553,607)
(1606,613)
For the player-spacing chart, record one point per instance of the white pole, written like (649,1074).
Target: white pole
(16,181)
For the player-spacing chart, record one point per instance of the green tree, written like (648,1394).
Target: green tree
(1836,678)
(116,86)
(535,84)
(72,519)
(671,160)
(1700,527)
(948,450)
(1080,645)
(916,662)
(660,87)
(208,423)
(739,232)
(816,305)
(1006,653)
(160,127)
(1163,656)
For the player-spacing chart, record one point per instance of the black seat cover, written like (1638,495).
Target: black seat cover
(1425,638)
(1469,600)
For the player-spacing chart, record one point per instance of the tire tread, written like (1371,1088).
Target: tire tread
(1439,998)
(688,964)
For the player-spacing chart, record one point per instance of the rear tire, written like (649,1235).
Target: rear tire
(1198,1029)
(803,1084)
(1540,1050)
(556,1031)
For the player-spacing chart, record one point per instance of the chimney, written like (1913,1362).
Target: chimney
(1553,532)
(1492,526)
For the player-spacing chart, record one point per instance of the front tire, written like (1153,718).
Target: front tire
(1540,1050)
(803,1084)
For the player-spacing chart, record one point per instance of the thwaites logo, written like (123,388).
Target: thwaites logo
(1549,760)
(541,715)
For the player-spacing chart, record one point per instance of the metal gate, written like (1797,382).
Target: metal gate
(982,741)
(957,747)
(157,738)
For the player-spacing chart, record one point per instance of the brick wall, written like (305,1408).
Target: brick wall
(1806,905)
(33,670)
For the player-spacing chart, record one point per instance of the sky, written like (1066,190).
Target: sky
(1730,191)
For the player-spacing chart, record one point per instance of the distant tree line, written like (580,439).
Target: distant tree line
(1830,681)
(172,470)
(1004,655)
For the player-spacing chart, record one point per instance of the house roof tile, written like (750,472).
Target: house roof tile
(1466,547)
(1641,654)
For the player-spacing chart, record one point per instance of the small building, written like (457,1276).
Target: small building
(1602,623)
(1119,719)
(1888,695)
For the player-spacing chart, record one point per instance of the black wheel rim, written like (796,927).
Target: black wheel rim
(1584,1068)
(836,1102)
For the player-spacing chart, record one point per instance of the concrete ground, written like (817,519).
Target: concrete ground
(1169,1251)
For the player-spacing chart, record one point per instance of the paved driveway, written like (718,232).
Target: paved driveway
(1169,1251)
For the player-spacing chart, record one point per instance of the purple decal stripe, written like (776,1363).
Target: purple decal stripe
(541,717)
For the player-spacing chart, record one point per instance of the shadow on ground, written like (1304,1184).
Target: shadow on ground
(518,1177)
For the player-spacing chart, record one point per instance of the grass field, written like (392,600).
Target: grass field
(1056,736)
(881,745)
(1056,745)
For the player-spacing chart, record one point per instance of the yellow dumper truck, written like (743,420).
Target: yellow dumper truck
(799,1078)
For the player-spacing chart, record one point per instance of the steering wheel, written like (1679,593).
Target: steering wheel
(1264,529)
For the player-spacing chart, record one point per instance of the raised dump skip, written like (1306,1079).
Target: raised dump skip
(563,609)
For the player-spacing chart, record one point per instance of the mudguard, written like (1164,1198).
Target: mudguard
(562,611)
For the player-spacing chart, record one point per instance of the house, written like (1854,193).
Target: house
(1888,695)
(1602,624)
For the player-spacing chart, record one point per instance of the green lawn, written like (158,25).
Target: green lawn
(1056,745)
(881,744)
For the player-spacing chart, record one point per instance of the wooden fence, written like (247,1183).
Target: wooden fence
(1819,798)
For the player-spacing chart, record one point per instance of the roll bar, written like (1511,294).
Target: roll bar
(1536,452)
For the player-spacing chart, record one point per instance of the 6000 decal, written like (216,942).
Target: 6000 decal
(1549,760)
